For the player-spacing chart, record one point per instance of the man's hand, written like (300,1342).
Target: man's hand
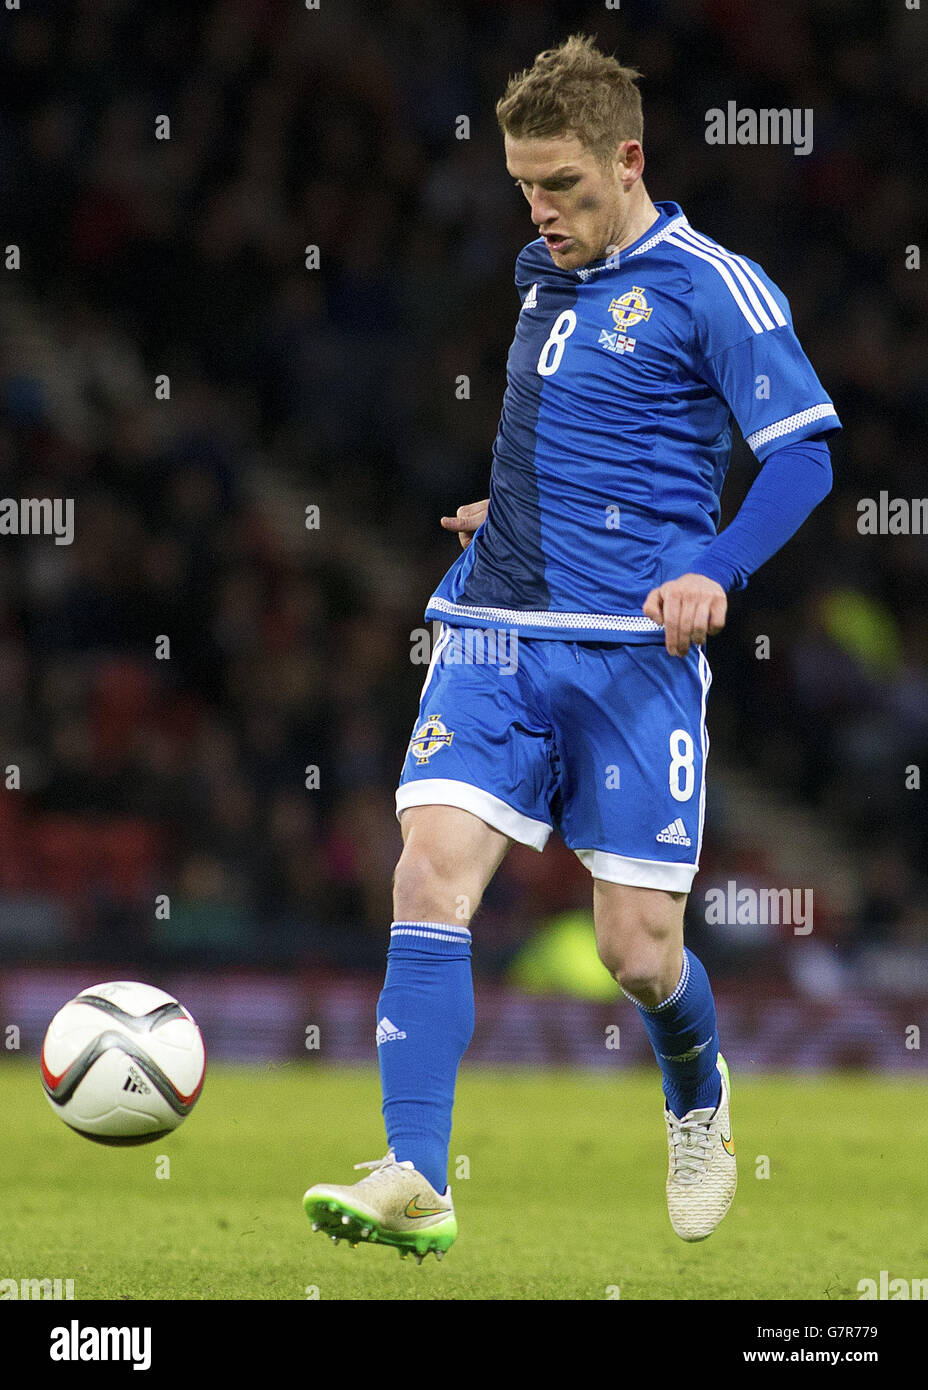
(467,521)
(690,608)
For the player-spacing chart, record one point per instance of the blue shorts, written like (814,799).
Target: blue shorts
(606,742)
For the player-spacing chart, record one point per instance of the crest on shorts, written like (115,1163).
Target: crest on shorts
(430,738)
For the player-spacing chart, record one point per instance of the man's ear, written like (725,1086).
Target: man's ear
(629,162)
(618,159)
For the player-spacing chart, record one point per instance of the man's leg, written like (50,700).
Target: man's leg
(425,1018)
(639,933)
(449,856)
(639,936)
(425,1013)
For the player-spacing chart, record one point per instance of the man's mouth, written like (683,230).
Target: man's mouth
(556,242)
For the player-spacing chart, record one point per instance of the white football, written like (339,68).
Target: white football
(123,1063)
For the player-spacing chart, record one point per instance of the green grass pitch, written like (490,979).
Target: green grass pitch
(564,1198)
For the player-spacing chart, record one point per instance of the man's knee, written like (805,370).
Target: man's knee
(427,884)
(641,968)
(639,937)
(449,856)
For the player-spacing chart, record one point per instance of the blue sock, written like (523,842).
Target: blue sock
(425,1020)
(684,1035)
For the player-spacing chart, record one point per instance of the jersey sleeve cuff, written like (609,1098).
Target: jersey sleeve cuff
(816,420)
(714,567)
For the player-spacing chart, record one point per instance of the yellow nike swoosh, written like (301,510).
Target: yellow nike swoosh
(412,1210)
(727,1145)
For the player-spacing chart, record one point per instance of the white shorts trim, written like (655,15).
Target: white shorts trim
(638,873)
(445,791)
(554,619)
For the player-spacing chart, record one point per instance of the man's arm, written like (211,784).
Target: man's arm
(788,487)
(790,484)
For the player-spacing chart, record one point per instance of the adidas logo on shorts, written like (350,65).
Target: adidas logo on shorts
(674,834)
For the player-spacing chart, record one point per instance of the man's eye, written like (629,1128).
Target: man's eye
(561,186)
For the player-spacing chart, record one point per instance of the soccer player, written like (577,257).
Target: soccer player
(638,340)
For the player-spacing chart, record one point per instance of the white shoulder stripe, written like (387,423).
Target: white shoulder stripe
(743,270)
(720,257)
(726,276)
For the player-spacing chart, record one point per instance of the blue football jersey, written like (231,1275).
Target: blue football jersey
(623,380)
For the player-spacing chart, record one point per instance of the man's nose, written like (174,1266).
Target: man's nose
(543,210)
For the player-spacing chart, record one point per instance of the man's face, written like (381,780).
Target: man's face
(576,204)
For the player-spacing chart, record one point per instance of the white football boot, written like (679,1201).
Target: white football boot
(702,1175)
(394,1205)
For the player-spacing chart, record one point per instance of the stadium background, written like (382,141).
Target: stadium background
(335,387)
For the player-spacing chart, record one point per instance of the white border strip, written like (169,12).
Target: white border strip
(638,873)
(447,791)
(705,677)
(444,636)
(549,618)
(453,927)
(789,424)
(423,932)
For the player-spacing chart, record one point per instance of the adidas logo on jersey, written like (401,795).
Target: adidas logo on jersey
(135,1085)
(674,834)
(531,299)
(388,1032)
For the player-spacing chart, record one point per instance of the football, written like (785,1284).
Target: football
(123,1063)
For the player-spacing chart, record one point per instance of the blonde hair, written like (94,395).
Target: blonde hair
(574,90)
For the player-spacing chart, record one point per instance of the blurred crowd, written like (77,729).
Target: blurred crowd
(172,359)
